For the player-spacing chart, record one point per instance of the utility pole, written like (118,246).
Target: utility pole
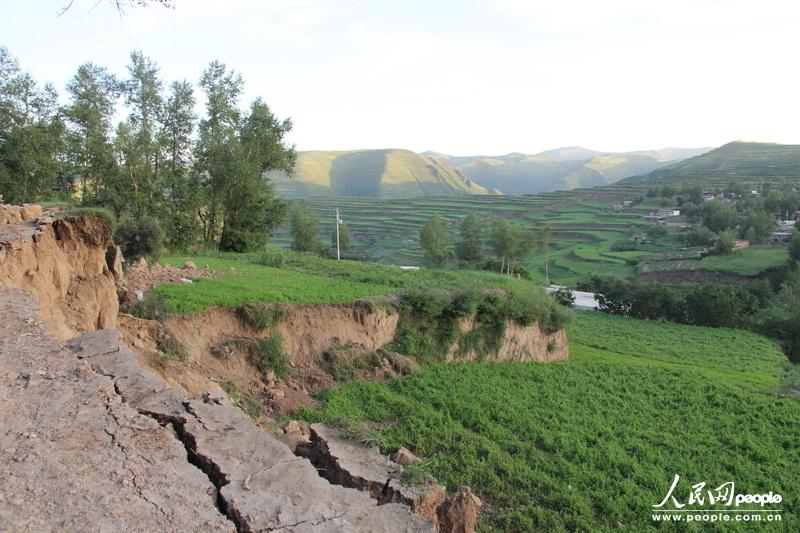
(546,270)
(338,221)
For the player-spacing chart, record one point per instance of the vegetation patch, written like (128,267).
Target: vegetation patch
(271,355)
(261,315)
(97,212)
(250,406)
(171,348)
(152,307)
(431,321)
(591,443)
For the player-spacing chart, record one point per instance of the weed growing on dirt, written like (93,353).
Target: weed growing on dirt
(152,307)
(250,406)
(172,349)
(261,315)
(271,355)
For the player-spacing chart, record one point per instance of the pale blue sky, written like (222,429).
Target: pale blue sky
(463,77)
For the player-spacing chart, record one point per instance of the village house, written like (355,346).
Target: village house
(780,236)
(663,213)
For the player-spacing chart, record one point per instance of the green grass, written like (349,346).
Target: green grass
(308,279)
(747,262)
(255,283)
(590,444)
(731,355)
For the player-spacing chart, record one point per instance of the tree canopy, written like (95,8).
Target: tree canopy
(201,182)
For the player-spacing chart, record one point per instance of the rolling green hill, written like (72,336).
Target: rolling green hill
(387,173)
(561,168)
(733,161)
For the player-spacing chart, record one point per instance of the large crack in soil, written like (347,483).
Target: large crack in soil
(329,468)
(211,470)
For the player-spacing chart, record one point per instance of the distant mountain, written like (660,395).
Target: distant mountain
(387,173)
(562,168)
(735,160)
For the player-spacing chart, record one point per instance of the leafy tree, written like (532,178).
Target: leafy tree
(700,236)
(794,247)
(217,151)
(139,237)
(304,227)
(252,207)
(657,232)
(719,216)
(344,238)
(233,152)
(724,243)
(525,241)
(502,238)
(93,94)
(469,247)
(435,241)
(761,223)
(31,134)
(142,160)
(178,183)
(719,305)
(512,242)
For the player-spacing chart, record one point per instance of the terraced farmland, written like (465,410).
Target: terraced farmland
(584,224)
(592,234)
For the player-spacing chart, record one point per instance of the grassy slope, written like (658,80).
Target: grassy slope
(372,173)
(307,279)
(592,443)
(747,262)
(753,162)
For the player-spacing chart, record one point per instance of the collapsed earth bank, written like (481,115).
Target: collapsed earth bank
(144,415)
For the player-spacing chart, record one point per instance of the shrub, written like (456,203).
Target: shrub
(342,371)
(139,237)
(271,258)
(564,296)
(427,302)
(171,348)
(261,315)
(466,303)
(271,355)
(97,212)
(152,307)
(525,307)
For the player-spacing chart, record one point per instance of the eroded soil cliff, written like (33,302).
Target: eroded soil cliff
(61,261)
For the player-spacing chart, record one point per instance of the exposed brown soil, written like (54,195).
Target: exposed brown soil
(142,277)
(62,263)
(171,414)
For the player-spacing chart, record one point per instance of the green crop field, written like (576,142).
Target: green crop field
(591,235)
(747,262)
(592,443)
